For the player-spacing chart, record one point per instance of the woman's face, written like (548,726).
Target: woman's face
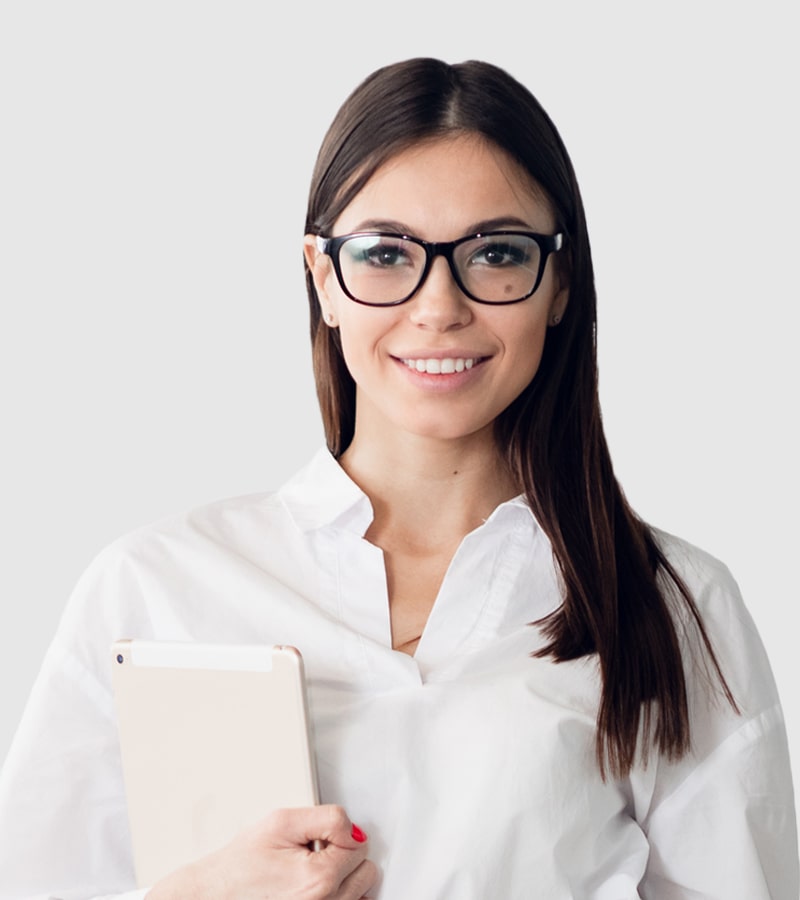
(399,356)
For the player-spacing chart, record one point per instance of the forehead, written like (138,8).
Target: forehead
(441,188)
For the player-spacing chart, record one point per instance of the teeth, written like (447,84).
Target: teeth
(440,366)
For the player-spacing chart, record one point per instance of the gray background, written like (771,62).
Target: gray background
(154,163)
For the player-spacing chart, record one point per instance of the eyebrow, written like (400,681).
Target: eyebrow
(395,227)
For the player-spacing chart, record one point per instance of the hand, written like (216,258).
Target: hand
(272,861)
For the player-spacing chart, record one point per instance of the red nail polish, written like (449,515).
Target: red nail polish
(358,834)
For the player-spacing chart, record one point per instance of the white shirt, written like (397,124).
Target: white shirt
(470,765)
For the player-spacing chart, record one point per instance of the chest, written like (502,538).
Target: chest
(413,582)
(487,773)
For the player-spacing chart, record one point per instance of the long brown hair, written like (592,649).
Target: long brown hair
(621,595)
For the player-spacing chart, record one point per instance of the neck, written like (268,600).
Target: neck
(427,491)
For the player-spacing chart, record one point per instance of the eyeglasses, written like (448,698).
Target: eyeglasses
(381,269)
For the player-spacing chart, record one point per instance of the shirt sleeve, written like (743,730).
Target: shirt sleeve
(63,818)
(721,821)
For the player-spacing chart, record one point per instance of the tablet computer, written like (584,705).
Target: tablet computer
(212,738)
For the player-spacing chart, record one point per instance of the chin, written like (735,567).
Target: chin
(440,431)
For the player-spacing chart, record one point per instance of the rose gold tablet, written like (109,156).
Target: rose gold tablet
(212,737)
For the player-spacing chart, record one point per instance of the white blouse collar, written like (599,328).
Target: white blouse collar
(322,494)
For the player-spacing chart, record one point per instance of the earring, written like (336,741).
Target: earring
(556,319)
(329,318)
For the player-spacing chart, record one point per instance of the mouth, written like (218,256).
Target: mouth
(447,366)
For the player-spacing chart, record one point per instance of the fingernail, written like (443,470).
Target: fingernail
(358,834)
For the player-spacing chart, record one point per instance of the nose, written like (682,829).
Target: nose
(439,303)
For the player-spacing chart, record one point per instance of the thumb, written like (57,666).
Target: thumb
(327,823)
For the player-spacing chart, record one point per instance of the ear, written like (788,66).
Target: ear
(319,264)
(558,306)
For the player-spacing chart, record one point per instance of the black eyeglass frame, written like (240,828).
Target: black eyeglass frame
(547,243)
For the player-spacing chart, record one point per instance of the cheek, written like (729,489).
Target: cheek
(364,332)
(526,339)
(357,338)
(525,354)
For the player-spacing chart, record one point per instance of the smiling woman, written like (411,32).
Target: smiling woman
(518,688)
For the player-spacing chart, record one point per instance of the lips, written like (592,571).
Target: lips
(436,366)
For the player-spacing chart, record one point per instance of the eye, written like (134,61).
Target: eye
(378,252)
(500,252)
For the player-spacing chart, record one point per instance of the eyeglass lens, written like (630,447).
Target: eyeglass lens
(492,268)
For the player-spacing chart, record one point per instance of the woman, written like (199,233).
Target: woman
(628,743)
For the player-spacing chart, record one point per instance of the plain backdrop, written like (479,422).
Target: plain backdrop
(154,164)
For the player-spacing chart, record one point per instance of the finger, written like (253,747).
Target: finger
(302,826)
(358,882)
(340,830)
(346,860)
